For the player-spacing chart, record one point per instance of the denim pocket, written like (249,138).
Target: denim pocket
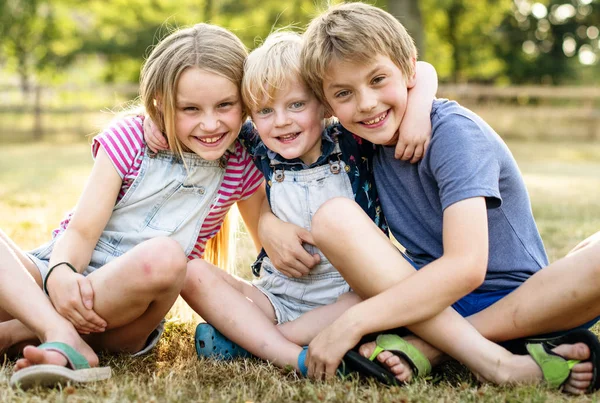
(177,208)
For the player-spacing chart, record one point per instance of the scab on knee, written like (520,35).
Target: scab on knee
(163,262)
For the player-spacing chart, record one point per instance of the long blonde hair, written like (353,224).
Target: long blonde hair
(210,48)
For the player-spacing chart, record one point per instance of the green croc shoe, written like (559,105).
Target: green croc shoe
(78,370)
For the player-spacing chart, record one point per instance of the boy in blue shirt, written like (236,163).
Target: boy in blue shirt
(463,214)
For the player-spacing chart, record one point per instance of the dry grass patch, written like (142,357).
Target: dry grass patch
(39,182)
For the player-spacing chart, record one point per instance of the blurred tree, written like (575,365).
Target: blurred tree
(36,38)
(459,37)
(408,12)
(549,42)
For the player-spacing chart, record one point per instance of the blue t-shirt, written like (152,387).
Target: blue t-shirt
(465,159)
(357,154)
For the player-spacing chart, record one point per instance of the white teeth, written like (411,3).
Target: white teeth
(211,140)
(376,120)
(288,136)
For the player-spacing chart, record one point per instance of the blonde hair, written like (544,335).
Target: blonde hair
(353,32)
(210,48)
(270,67)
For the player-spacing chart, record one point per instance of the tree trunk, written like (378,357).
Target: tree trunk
(409,14)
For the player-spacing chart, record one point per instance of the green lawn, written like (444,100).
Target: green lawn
(40,182)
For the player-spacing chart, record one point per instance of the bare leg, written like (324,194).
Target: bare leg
(447,331)
(562,296)
(302,330)
(18,284)
(240,311)
(245,315)
(134,292)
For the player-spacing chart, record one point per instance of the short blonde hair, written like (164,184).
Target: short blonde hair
(270,67)
(205,46)
(354,32)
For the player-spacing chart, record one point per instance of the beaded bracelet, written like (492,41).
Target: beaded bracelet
(50,271)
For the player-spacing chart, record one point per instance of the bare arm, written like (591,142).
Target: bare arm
(71,293)
(250,210)
(419,296)
(459,271)
(283,243)
(415,129)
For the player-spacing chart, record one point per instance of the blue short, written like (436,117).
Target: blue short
(477,301)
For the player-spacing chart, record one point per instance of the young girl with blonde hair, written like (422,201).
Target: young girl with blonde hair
(117,263)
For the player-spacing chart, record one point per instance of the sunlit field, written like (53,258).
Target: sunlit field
(40,182)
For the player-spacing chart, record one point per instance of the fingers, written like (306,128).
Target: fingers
(417,154)
(289,271)
(409,151)
(292,268)
(87,292)
(154,138)
(87,297)
(400,148)
(321,369)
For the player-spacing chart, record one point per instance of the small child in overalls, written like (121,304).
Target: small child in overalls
(305,164)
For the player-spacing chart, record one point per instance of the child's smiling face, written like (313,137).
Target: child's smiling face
(291,123)
(208,112)
(369,99)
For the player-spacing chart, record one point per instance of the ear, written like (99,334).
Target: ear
(412,81)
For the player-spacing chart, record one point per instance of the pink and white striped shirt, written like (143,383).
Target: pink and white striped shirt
(123,142)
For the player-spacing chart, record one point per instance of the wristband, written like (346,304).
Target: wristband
(45,288)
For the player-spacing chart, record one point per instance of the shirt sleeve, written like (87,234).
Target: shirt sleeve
(249,138)
(123,141)
(463,162)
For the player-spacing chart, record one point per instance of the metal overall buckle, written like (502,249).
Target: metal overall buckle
(279,176)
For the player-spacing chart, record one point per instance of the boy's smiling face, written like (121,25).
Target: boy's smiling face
(369,99)
(291,123)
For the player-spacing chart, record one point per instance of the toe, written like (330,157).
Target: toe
(367,349)
(578,351)
(402,372)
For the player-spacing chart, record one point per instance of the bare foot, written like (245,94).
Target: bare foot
(582,373)
(35,356)
(396,365)
(522,369)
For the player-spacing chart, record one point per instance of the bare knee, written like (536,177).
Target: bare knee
(331,217)
(162,263)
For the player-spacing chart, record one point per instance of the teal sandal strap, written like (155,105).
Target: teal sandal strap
(74,358)
(396,344)
(555,368)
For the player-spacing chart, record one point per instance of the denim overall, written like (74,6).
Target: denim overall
(167,198)
(295,197)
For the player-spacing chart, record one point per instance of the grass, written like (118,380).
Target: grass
(39,182)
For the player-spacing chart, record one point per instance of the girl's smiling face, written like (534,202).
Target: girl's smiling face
(208,113)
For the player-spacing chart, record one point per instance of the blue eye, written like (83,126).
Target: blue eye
(297,105)
(342,94)
(264,111)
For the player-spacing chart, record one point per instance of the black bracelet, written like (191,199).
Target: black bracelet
(45,288)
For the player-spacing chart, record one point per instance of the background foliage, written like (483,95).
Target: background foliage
(485,41)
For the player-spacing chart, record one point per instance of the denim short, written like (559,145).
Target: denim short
(293,297)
